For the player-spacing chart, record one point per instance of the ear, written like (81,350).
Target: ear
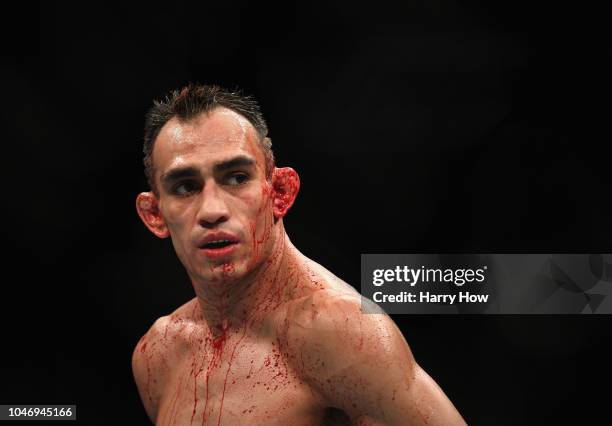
(147,206)
(285,187)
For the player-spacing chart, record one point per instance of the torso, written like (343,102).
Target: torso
(249,375)
(234,379)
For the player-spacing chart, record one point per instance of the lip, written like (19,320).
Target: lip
(214,253)
(219,252)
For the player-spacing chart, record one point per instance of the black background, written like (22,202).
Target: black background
(431,127)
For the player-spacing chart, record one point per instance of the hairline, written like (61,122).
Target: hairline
(189,119)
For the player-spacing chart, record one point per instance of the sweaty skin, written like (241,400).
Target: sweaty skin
(271,338)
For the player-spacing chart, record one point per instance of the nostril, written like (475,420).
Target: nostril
(209,224)
(213,210)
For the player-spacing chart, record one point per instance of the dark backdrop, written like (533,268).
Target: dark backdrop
(431,127)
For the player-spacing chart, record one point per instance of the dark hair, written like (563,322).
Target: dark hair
(193,100)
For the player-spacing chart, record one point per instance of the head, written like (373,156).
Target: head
(214,188)
(192,101)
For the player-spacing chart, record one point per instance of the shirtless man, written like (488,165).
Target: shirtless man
(271,338)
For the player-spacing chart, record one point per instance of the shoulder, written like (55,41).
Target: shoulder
(166,333)
(335,315)
(356,359)
(150,361)
(166,329)
(329,324)
(156,350)
(348,357)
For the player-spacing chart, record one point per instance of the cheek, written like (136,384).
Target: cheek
(174,226)
(260,222)
(266,192)
(258,205)
(177,215)
(265,213)
(177,221)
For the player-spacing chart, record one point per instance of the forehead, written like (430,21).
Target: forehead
(204,140)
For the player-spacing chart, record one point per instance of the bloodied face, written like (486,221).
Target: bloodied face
(214,199)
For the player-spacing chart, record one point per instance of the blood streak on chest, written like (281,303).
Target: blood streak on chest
(219,341)
(212,349)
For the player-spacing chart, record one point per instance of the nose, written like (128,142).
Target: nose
(213,209)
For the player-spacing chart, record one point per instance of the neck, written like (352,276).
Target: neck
(235,304)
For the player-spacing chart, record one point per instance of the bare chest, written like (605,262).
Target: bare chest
(235,380)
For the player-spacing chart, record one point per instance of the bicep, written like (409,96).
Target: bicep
(401,392)
(416,401)
(427,403)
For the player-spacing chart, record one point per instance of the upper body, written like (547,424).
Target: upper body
(271,337)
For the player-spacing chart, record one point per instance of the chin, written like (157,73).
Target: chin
(224,272)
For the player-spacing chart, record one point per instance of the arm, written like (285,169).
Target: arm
(362,365)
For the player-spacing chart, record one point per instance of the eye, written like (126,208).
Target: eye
(237,178)
(185,188)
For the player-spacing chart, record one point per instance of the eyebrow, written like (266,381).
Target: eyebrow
(190,171)
(178,173)
(238,161)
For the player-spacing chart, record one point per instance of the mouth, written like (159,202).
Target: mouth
(216,246)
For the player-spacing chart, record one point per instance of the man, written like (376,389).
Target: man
(271,338)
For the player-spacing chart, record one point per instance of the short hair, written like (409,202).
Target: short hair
(191,101)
